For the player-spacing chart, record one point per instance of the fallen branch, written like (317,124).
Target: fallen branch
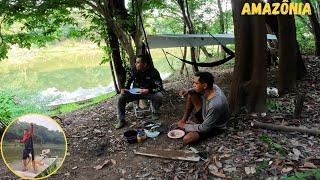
(169,154)
(285,128)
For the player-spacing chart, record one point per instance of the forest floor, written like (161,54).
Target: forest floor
(243,152)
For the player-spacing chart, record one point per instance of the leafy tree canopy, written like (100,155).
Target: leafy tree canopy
(42,135)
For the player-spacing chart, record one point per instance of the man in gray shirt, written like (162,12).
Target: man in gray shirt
(211,107)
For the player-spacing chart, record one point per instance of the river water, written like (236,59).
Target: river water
(58,97)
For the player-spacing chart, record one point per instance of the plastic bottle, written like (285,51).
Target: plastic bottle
(141,136)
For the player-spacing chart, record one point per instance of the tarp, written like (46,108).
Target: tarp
(191,40)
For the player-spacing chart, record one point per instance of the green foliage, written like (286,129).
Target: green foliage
(262,166)
(271,144)
(48,171)
(5,113)
(11,107)
(42,135)
(25,22)
(310,174)
(304,37)
(3,50)
(272,105)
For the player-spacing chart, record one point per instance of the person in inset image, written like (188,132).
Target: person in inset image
(28,152)
(40,140)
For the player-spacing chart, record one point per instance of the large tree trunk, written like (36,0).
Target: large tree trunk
(291,66)
(315,27)
(248,87)
(288,54)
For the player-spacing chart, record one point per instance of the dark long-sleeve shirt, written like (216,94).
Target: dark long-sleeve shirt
(149,79)
(215,113)
(27,139)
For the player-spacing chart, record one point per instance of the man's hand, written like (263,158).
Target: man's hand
(144,91)
(124,91)
(17,140)
(183,93)
(181,123)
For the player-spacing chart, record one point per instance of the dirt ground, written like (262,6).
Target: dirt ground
(243,152)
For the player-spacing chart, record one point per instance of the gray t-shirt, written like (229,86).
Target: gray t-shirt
(215,113)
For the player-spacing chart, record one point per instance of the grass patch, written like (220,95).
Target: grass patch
(262,167)
(310,174)
(272,105)
(273,145)
(48,171)
(78,105)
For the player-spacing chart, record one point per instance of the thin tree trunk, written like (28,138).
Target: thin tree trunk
(221,17)
(116,58)
(194,59)
(205,52)
(183,4)
(183,66)
(117,27)
(185,49)
(116,87)
(221,23)
(315,27)
(138,38)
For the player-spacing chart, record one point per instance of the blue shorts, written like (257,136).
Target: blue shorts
(26,153)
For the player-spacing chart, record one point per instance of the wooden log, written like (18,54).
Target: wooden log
(169,154)
(274,127)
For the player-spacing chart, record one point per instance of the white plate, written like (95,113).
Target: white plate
(176,134)
(134,91)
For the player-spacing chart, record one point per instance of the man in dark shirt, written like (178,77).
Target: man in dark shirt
(28,147)
(211,106)
(149,83)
